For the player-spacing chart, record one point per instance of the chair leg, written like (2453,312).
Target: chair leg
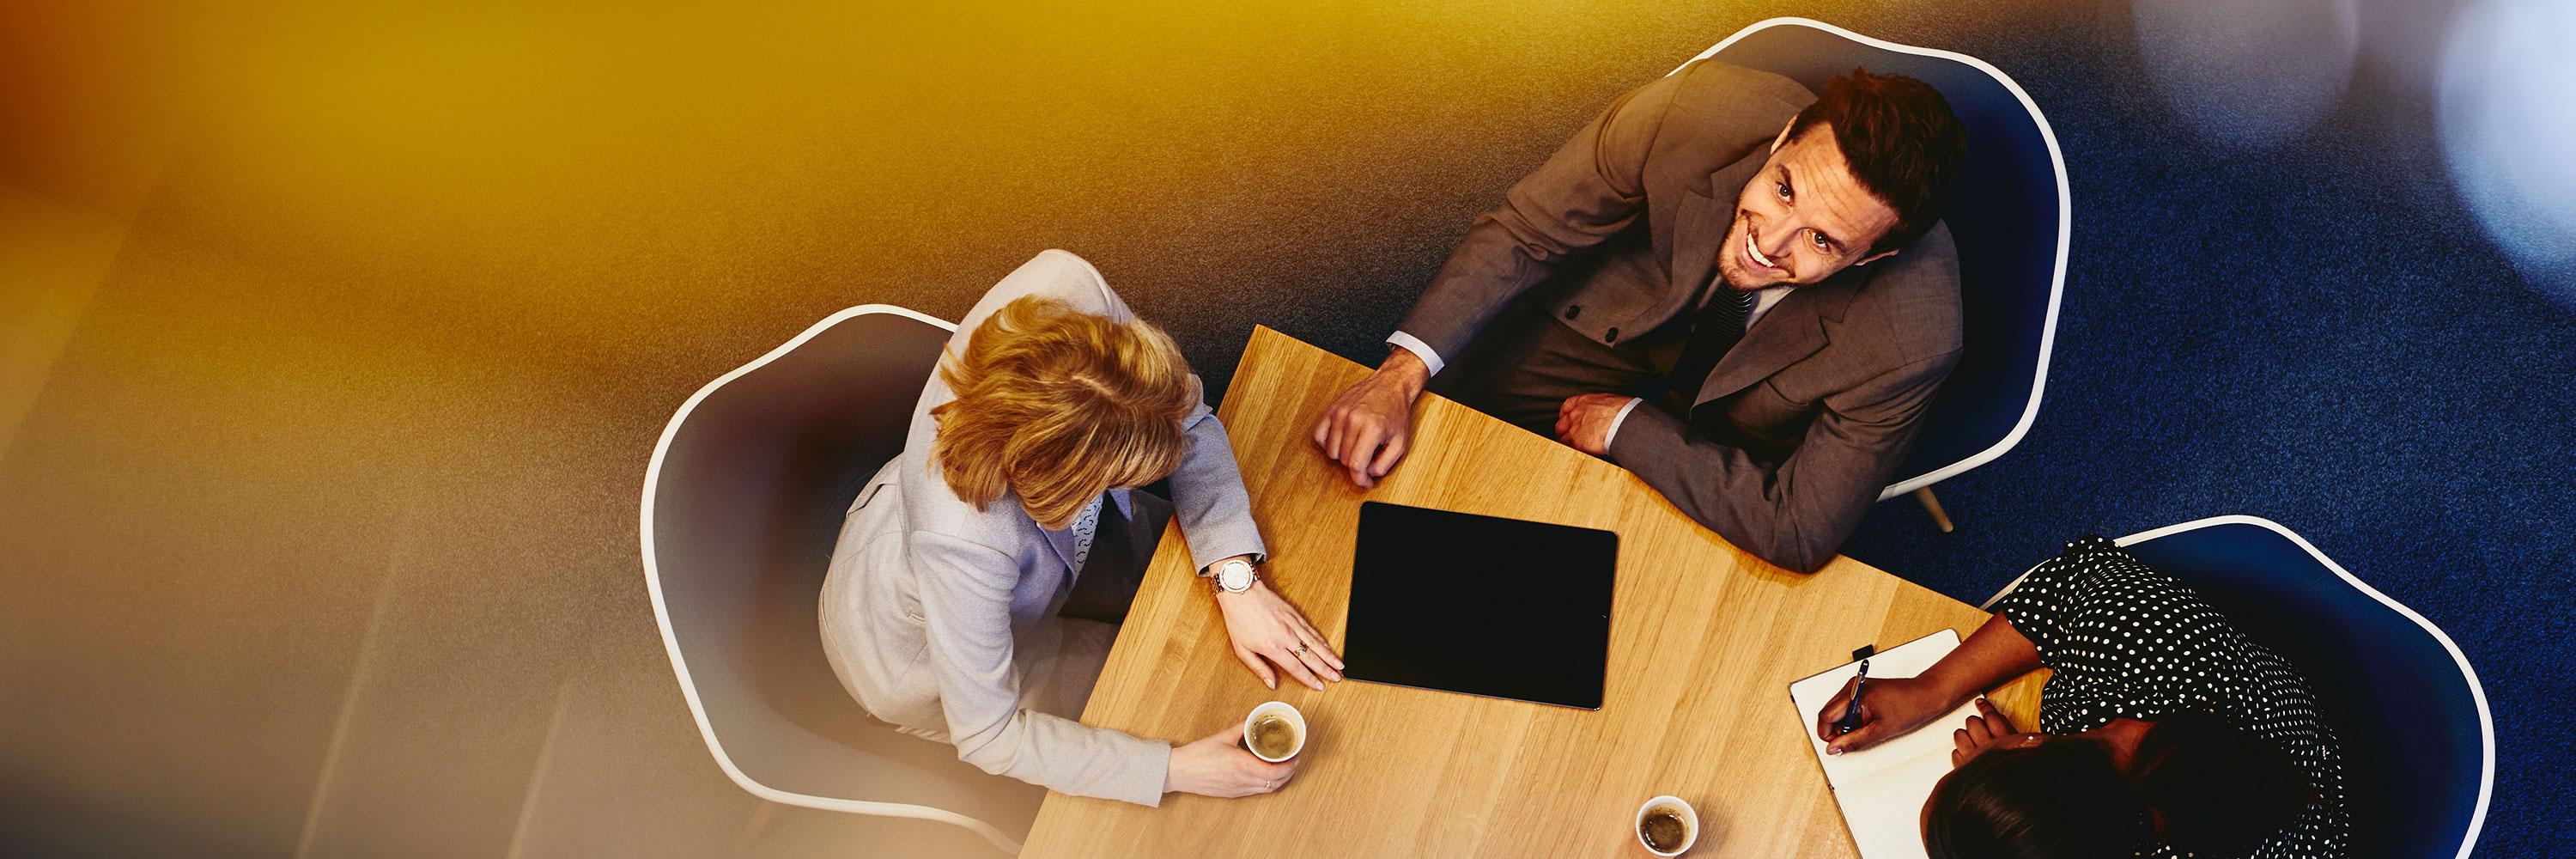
(1932,505)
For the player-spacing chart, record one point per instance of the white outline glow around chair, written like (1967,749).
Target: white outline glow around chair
(2478,692)
(2065,231)
(671,644)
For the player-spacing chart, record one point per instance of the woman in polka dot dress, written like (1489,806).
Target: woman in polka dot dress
(2165,732)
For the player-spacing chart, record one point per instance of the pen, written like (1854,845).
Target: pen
(1851,713)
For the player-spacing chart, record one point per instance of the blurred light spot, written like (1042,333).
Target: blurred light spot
(2248,74)
(2508,124)
(2401,41)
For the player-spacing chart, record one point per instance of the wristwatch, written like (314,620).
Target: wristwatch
(1234,576)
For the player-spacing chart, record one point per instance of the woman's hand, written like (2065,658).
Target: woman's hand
(1265,629)
(1221,767)
(1893,707)
(1986,729)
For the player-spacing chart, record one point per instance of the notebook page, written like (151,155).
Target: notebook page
(1884,809)
(1882,788)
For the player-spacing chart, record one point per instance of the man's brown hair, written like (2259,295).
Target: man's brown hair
(1901,140)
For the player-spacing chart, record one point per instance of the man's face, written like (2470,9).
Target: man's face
(1802,218)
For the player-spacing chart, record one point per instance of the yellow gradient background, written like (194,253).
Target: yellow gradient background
(334,339)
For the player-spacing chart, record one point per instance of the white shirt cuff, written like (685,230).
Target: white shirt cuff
(1410,343)
(1613,435)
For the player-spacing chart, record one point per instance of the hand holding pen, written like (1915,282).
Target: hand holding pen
(1891,707)
(1851,712)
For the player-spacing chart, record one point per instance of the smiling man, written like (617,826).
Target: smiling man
(1734,287)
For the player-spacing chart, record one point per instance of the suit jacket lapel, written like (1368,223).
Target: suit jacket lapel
(1062,542)
(1791,331)
(1699,228)
(1800,325)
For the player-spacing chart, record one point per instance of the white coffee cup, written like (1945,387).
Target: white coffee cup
(1283,709)
(1690,824)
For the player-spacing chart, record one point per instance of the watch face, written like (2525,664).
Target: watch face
(1234,576)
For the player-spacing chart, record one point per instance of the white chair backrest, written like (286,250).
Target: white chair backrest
(742,503)
(2011,218)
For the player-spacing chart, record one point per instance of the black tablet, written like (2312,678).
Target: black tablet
(1481,605)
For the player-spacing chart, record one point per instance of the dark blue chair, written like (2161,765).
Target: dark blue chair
(2010,217)
(2419,745)
(743,501)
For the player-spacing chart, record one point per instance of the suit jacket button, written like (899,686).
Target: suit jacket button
(1573,310)
(1610,336)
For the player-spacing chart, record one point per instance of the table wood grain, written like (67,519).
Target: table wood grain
(1705,640)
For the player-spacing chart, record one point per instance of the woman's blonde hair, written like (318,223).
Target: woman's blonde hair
(1058,406)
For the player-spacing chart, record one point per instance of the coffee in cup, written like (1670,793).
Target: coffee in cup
(1667,826)
(1274,731)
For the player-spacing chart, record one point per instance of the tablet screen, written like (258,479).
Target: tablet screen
(1480,605)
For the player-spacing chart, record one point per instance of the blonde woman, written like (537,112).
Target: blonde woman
(1016,493)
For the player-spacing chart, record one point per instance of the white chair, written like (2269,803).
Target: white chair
(2419,743)
(742,503)
(2011,218)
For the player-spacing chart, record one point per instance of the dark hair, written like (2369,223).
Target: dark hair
(2061,799)
(2222,790)
(1901,140)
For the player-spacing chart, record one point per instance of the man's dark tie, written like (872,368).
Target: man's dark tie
(1719,325)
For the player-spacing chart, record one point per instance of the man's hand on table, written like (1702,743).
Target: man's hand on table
(1369,427)
(1584,421)
(1265,629)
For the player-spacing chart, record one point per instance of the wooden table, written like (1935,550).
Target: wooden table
(1704,641)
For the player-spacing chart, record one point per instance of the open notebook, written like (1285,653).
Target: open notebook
(1882,788)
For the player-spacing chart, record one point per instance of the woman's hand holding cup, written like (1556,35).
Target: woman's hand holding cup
(1220,766)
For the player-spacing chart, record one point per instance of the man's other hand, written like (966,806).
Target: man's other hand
(1583,422)
(1368,428)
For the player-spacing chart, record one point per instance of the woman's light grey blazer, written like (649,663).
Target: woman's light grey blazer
(935,612)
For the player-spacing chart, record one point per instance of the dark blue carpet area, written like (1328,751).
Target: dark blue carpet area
(2319,334)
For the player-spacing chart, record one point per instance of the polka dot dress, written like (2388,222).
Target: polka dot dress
(2127,641)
